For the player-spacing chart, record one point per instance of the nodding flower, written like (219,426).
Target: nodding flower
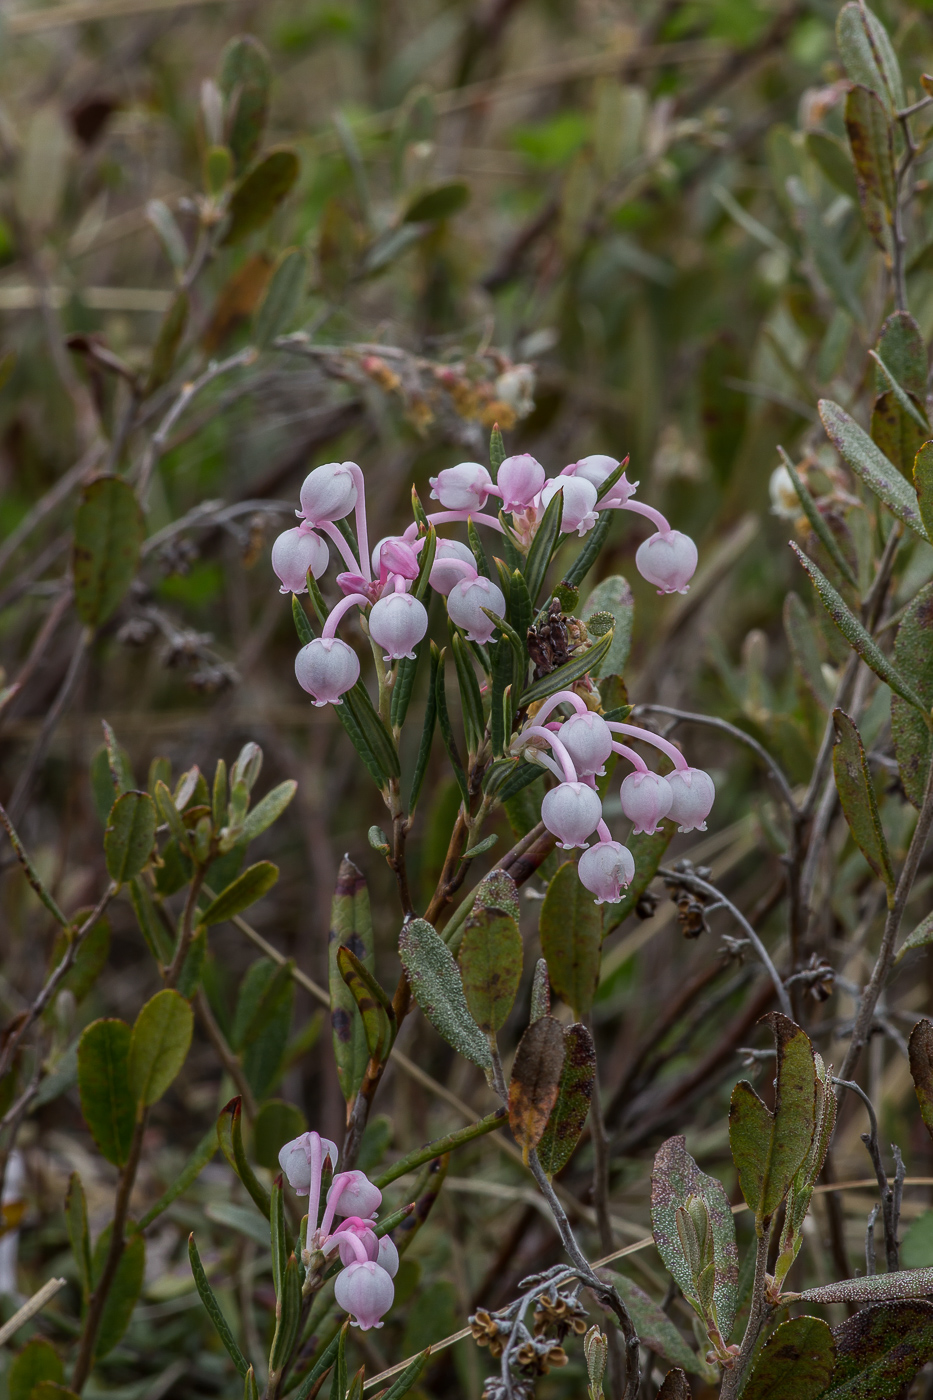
(694,795)
(571,812)
(646,798)
(329,492)
(597,469)
(398,622)
(465,604)
(453,564)
(588,739)
(327,668)
(295,552)
(667,559)
(366,1291)
(464,487)
(606,869)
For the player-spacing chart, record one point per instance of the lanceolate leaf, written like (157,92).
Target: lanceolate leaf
(107,1102)
(230,1138)
(913,657)
(159,1045)
(130,835)
(107,539)
(78,1234)
(675,1178)
(921,935)
(867,54)
(260,192)
(268,810)
(923,485)
(122,1298)
(491,966)
(819,526)
(214,1310)
(855,633)
(535,1081)
(874,1288)
(857,796)
(654,1327)
(795,1364)
(254,882)
(574,1095)
(542,547)
(438,989)
(350,927)
(872,145)
(564,677)
(921,1069)
(880,1349)
(571,938)
(245,78)
(865,459)
(374,1006)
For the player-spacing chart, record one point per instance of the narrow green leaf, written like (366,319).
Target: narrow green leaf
(865,459)
(130,835)
(375,1008)
(300,619)
(245,79)
(350,927)
(230,1137)
(496,451)
(913,658)
(542,547)
(871,141)
(170,814)
(108,535)
(407,1378)
(124,1294)
(923,485)
(471,703)
(571,932)
(107,1101)
(874,1288)
(564,677)
(245,890)
(855,633)
(151,926)
(260,192)
(278,1236)
(427,731)
(491,966)
(857,796)
(438,989)
(447,733)
(78,1235)
(919,938)
(268,810)
(289,1316)
(795,1364)
(574,1095)
(819,526)
(213,1309)
(377,737)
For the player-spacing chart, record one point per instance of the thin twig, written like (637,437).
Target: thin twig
(29,1309)
(890,1191)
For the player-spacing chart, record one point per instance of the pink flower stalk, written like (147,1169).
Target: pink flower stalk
(579,509)
(694,795)
(635,731)
(453,562)
(464,487)
(326,668)
(571,812)
(329,492)
(398,622)
(588,739)
(465,604)
(295,552)
(350,584)
(560,697)
(519,480)
(365,1290)
(646,798)
(381,1251)
(302,1160)
(597,468)
(606,869)
(668,560)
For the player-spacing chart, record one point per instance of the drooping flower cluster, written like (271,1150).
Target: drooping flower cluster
(364,1286)
(386,586)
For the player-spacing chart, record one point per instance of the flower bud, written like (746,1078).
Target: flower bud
(326,668)
(328,493)
(579,512)
(597,469)
(295,1160)
(387,1258)
(366,1292)
(464,487)
(784,499)
(395,556)
(363,1232)
(605,869)
(443,577)
(293,554)
(397,622)
(465,604)
(668,560)
(588,740)
(519,478)
(352,1193)
(694,795)
(646,798)
(571,812)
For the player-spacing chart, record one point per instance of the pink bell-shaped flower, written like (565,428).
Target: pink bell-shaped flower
(395,556)
(519,478)
(579,511)
(352,1193)
(597,469)
(296,1160)
(694,795)
(646,798)
(446,570)
(465,604)
(588,739)
(326,668)
(380,1251)
(667,559)
(365,1290)
(605,869)
(295,552)
(329,492)
(397,623)
(571,812)
(464,487)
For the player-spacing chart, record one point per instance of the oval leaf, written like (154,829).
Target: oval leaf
(438,989)
(491,966)
(535,1081)
(130,834)
(654,1327)
(574,1095)
(245,78)
(103,1082)
(107,539)
(874,1288)
(38,1361)
(913,657)
(857,796)
(127,1286)
(796,1363)
(159,1045)
(255,881)
(258,195)
(571,937)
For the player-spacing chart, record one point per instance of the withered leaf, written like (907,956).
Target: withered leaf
(535,1081)
(574,1094)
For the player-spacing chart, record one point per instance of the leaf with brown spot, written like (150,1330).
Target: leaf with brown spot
(921,1069)
(871,142)
(237,300)
(374,1006)
(881,1348)
(498,890)
(574,1094)
(571,931)
(535,1082)
(796,1362)
(675,1386)
(491,966)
